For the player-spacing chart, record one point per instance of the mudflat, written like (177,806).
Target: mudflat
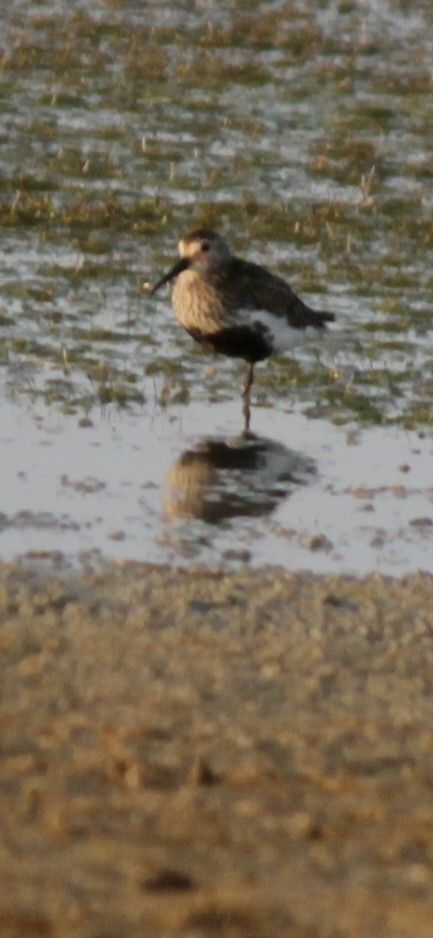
(211,753)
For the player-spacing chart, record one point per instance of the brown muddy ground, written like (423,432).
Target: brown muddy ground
(206,753)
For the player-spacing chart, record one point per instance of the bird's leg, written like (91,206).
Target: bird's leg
(246,396)
(249,380)
(246,413)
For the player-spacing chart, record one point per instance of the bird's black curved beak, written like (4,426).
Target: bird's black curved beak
(177,269)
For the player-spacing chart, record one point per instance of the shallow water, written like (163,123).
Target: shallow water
(302,132)
(301,493)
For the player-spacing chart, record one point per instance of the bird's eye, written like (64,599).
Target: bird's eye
(205,246)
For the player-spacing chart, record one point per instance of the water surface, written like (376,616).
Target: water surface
(301,132)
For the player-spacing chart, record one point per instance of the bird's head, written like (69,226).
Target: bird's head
(200,250)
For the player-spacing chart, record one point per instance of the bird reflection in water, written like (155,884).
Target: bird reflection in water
(222,478)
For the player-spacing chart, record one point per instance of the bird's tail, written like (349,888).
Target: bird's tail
(319,318)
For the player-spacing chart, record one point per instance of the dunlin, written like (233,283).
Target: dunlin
(234,306)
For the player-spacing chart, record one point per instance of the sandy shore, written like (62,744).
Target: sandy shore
(215,754)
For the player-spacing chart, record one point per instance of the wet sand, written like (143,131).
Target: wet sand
(206,753)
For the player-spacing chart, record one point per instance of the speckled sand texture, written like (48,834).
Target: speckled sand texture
(206,753)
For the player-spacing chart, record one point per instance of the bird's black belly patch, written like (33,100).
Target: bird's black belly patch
(236,342)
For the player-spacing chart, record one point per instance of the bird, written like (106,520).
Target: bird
(234,306)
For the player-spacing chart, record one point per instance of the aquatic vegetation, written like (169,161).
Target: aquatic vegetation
(302,136)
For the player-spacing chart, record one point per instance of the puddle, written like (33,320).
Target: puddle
(300,132)
(183,485)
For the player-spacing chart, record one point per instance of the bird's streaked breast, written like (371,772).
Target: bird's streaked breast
(197,304)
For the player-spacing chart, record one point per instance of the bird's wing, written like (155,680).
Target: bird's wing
(250,286)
